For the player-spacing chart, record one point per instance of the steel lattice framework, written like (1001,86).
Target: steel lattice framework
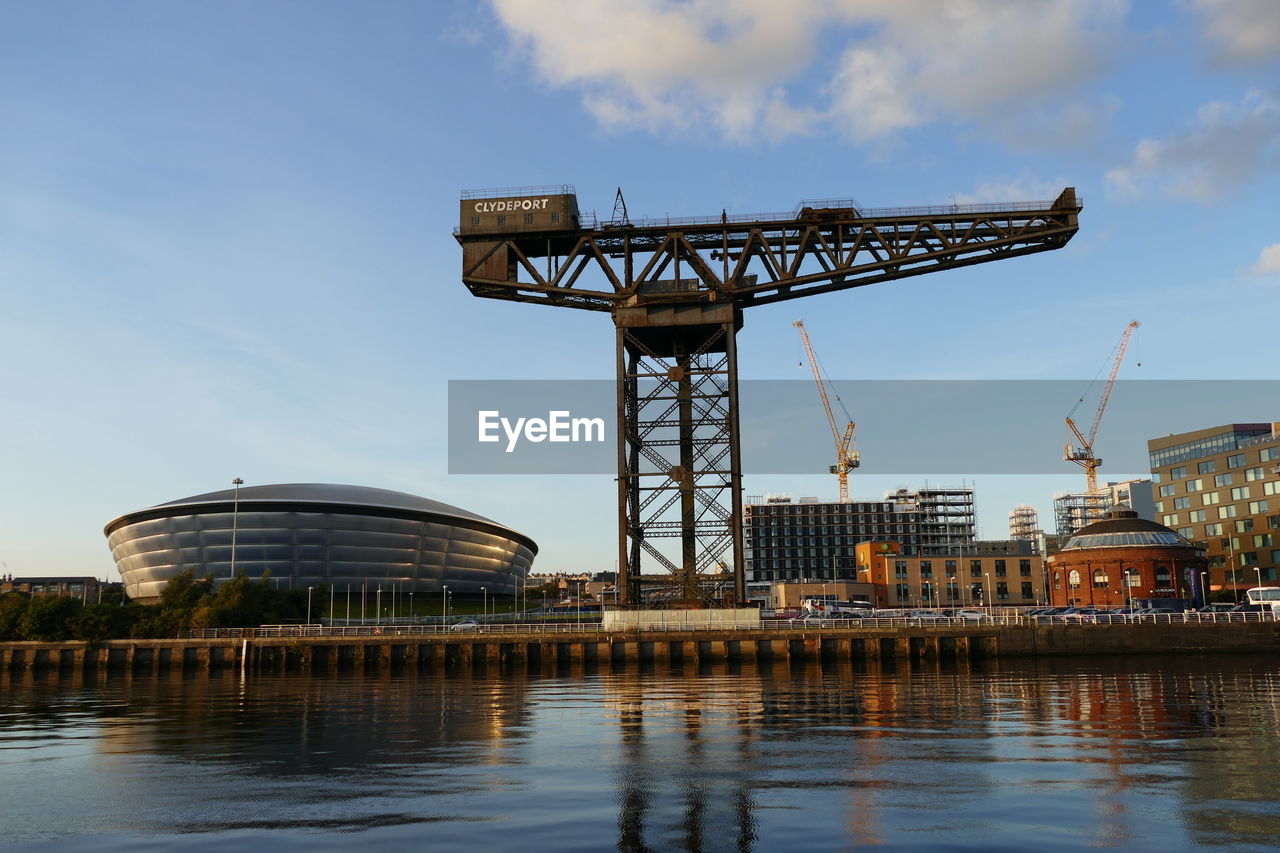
(676,289)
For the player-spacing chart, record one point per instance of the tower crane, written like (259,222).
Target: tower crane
(846,457)
(1083,454)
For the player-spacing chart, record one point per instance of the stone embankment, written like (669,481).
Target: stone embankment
(514,649)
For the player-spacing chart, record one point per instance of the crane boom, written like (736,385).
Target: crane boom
(846,459)
(1083,455)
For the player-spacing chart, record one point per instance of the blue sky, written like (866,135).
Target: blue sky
(225,242)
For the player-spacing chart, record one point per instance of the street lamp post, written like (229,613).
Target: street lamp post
(1262,607)
(485,592)
(410,604)
(444,604)
(1128,588)
(377,609)
(984,592)
(309,589)
(235,519)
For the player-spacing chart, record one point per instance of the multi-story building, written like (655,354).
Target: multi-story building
(84,588)
(1220,488)
(997,574)
(814,540)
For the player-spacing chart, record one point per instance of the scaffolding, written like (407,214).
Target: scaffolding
(1024,523)
(1073,511)
(946,515)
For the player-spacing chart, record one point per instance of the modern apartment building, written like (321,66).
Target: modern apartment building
(1220,488)
(814,540)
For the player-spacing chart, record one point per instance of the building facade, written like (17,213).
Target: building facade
(1074,510)
(307,534)
(814,540)
(1123,557)
(981,574)
(84,588)
(1220,488)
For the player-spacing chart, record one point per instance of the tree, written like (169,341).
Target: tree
(48,618)
(13,606)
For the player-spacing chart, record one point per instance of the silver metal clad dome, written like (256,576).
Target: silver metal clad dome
(306,534)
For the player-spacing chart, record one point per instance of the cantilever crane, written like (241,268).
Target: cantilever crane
(1083,455)
(846,457)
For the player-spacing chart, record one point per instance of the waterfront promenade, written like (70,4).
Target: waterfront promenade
(306,648)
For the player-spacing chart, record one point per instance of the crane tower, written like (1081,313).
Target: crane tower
(676,290)
(1083,455)
(847,458)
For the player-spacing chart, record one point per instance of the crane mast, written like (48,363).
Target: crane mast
(1083,455)
(846,459)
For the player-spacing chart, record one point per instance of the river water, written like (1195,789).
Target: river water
(1144,753)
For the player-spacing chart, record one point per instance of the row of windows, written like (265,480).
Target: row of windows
(1211,446)
(951,592)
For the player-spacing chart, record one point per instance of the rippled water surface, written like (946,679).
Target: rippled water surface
(1152,754)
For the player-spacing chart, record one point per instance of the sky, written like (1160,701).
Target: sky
(226,249)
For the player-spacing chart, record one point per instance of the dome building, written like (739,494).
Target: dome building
(1095,564)
(308,534)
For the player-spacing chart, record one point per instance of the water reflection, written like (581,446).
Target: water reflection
(1051,753)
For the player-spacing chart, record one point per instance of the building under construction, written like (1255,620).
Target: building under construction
(1024,524)
(810,539)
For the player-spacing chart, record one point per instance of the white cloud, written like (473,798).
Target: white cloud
(1022,188)
(1242,30)
(747,68)
(1268,265)
(1229,146)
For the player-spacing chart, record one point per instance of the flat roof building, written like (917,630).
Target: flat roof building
(1219,487)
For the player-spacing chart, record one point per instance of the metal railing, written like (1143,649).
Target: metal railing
(810,624)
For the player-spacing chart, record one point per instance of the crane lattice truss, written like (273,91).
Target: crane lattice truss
(676,289)
(846,458)
(1083,455)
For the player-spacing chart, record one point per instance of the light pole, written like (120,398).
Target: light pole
(1262,607)
(411,616)
(235,519)
(579,601)
(984,592)
(333,591)
(309,589)
(485,605)
(377,610)
(1204,586)
(1128,588)
(444,604)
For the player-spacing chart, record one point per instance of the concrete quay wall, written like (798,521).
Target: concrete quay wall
(435,651)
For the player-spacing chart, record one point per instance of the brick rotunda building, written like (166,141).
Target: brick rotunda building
(1094,565)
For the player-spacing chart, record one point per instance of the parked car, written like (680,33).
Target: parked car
(972,615)
(1217,607)
(465,625)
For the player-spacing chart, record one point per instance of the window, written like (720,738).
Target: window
(475,220)
(1240,493)
(1024,568)
(1244,525)
(1002,591)
(1027,592)
(1249,558)
(1100,580)
(1195,485)
(528,219)
(1162,576)
(1275,556)
(1186,532)
(1179,473)
(1213,530)
(975,568)
(1000,570)
(1252,474)
(926,568)
(951,568)
(1170,520)
(903,592)
(1159,506)
(1226,512)
(899,568)
(1258,507)
(1235,460)
(1273,520)
(1269,454)
(1182,503)
(1264,540)
(555,216)
(1205,467)
(1073,578)
(502,219)
(1209,498)
(1196,516)
(1167,491)
(1057,580)
(1223,479)
(1272,488)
